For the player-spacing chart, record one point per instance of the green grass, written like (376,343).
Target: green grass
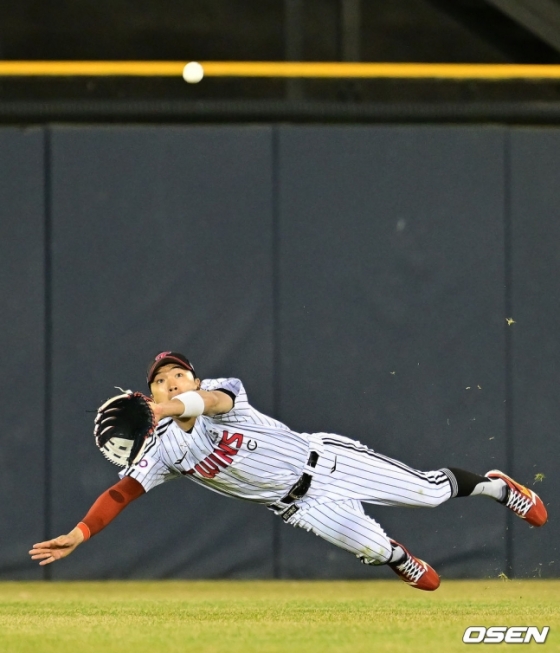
(263,616)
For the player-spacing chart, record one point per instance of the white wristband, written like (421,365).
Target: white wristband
(193,403)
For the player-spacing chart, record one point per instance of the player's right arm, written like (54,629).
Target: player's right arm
(103,511)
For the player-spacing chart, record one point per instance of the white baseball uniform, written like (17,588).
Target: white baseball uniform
(248,455)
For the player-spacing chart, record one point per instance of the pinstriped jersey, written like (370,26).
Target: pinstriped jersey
(242,453)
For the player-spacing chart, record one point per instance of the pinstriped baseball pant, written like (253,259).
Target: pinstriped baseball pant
(349,473)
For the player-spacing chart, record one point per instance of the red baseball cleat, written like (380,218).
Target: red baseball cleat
(415,572)
(524,502)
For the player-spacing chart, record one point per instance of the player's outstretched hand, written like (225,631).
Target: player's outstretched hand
(56,549)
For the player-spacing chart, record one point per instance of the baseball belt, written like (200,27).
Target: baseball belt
(300,487)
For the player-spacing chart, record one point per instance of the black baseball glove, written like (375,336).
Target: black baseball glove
(122,427)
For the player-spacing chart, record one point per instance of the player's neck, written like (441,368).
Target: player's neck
(185,424)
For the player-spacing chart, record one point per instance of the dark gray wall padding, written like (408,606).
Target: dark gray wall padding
(357,279)
(161,240)
(392,319)
(22,339)
(535,254)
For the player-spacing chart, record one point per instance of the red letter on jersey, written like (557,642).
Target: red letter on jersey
(228,446)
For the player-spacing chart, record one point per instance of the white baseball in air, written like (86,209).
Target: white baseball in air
(193,72)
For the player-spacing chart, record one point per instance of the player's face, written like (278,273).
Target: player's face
(171,381)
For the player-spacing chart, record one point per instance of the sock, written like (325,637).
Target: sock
(492,487)
(469,485)
(398,556)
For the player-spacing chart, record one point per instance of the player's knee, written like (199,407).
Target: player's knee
(437,501)
(380,554)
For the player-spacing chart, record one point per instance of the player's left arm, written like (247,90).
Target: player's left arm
(216,402)
(209,402)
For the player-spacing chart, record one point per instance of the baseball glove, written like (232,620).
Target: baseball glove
(122,427)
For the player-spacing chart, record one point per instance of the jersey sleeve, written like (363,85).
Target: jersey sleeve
(236,390)
(231,386)
(150,471)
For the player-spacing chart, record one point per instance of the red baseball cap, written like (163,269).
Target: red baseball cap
(164,358)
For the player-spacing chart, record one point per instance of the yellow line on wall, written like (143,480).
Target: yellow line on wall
(91,68)
(378,70)
(279,69)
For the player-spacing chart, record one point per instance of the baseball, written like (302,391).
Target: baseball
(193,72)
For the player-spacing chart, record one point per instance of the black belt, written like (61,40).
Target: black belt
(299,489)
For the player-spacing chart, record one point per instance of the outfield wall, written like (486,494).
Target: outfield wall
(357,279)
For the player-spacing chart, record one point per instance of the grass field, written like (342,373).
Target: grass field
(286,616)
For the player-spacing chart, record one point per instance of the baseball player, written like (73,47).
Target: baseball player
(208,432)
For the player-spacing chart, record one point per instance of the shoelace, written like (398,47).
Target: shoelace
(518,502)
(411,569)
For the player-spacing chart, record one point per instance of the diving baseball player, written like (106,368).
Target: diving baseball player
(208,432)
